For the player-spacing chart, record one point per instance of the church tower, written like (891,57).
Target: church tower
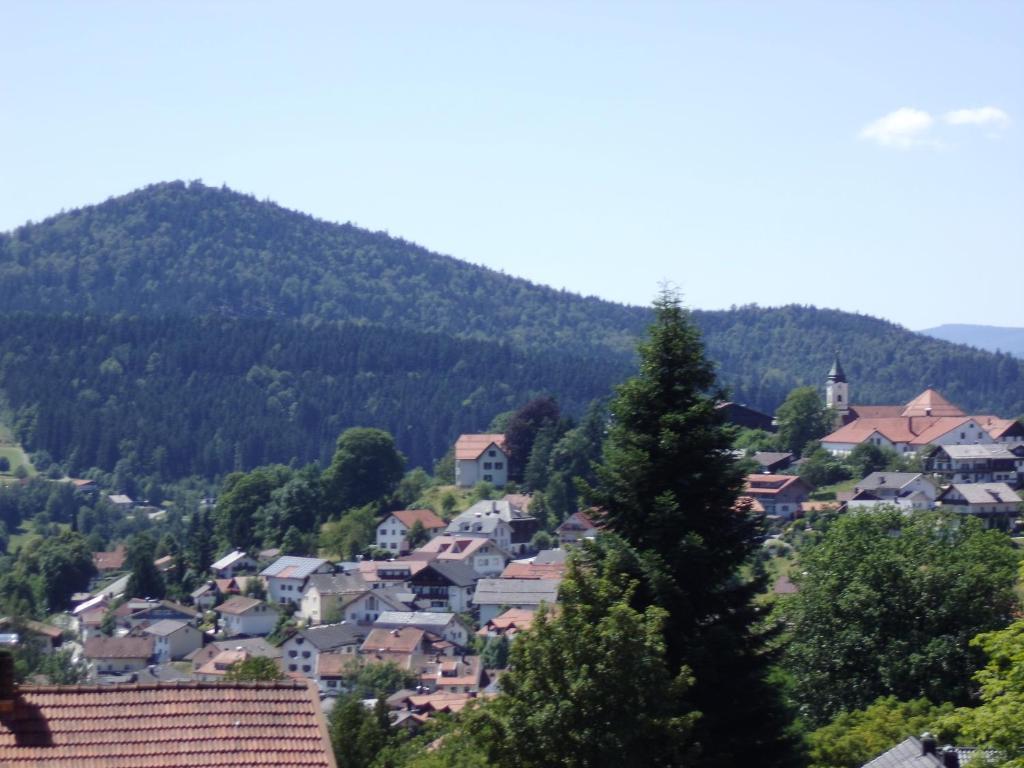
(837,391)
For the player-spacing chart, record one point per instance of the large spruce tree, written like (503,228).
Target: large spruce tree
(669,486)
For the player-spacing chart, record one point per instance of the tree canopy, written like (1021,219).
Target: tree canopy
(366,467)
(888,604)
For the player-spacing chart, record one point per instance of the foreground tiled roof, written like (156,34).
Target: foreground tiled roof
(181,725)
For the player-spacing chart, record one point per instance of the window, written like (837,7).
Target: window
(492,453)
(332,683)
(305,667)
(292,654)
(488,477)
(963,435)
(292,668)
(488,465)
(305,654)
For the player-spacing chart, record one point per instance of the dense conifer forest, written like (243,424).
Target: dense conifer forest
(198,330)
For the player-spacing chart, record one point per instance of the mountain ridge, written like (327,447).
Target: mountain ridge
(241,273)
(992,338)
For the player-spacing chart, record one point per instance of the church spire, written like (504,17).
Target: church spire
(836,373)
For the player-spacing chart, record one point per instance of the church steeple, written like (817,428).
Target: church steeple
(837,390)
(836,373)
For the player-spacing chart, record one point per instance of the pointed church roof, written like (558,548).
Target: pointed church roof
(836,373)
(931,403)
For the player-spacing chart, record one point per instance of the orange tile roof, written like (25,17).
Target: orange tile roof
(427,518)
(110,561)
(238,605)
(931,403)
(770,485)
(403,641)
(470,447)
(167,725)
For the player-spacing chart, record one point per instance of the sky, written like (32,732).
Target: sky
(866,156)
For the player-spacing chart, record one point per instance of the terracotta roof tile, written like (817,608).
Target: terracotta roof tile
(427,518)
(201,725)
(469,447)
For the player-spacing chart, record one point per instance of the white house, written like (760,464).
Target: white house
(446,625)
(506,524)
(232,564)
(994,503)
(325,593)
(481,458)
(300,653)
(444,586)
(118,655)
(246,616)
(475,549)
(174,639)
(286,577)
(907,490)
(494,596)
(392,531)
(986,463)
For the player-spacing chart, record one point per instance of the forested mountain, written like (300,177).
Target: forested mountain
(990,337)
(197,330)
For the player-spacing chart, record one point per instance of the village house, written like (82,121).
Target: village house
(216,669)
(246,616)
(325,593)
(120,502)
(907,490)
(117,655)
(395,574)
(575,528)
(173,639)
(984,463)
(393,530)
(110,562)
(443,586)
(300,652)
(997,504)
(494,596)
(481,458)
(459,674)
(446,625)
(778,494)
(232,564)
(521,526)
(138,614)
(398,645)
(253,646)
(480,553)
(286,577)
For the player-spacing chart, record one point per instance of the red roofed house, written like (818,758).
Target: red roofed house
(778,494)
(576,526)
(162,725)
(481,458)
(392,530)
(113,560)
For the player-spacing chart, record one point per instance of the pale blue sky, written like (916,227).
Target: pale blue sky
(602,147)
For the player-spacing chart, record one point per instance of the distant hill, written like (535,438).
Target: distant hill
(991,337)
(193,330)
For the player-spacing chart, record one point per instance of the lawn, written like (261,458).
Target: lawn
(10,450)
(433,498)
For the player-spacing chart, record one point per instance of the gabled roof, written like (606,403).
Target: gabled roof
(110,561)
(458,574)
(534,570)
(772,485)
(435,622)
(471,447)
(516,591)
(888,480)
(180,725)
(983,493)
(451,546)
(577,521)
(290,567)
(403,640)
(238,605)
(512,620)
(336,583)
(127,647)
(166,627)
(426,518)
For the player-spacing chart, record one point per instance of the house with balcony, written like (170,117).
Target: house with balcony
(779,495)
(981,463)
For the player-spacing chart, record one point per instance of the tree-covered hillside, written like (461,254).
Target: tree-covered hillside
(174,249)
(205,396)
(199,330)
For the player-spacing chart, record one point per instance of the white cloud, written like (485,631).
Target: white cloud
(979,116)
(906,127)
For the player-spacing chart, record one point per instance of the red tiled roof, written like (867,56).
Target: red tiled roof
(427,518)
(110,561)
(931,403)
(168,725)
(469,447)
(403,641)
(238,605)
(770,485)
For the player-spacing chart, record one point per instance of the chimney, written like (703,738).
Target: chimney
(950,757)
(8,688)
(929,746)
